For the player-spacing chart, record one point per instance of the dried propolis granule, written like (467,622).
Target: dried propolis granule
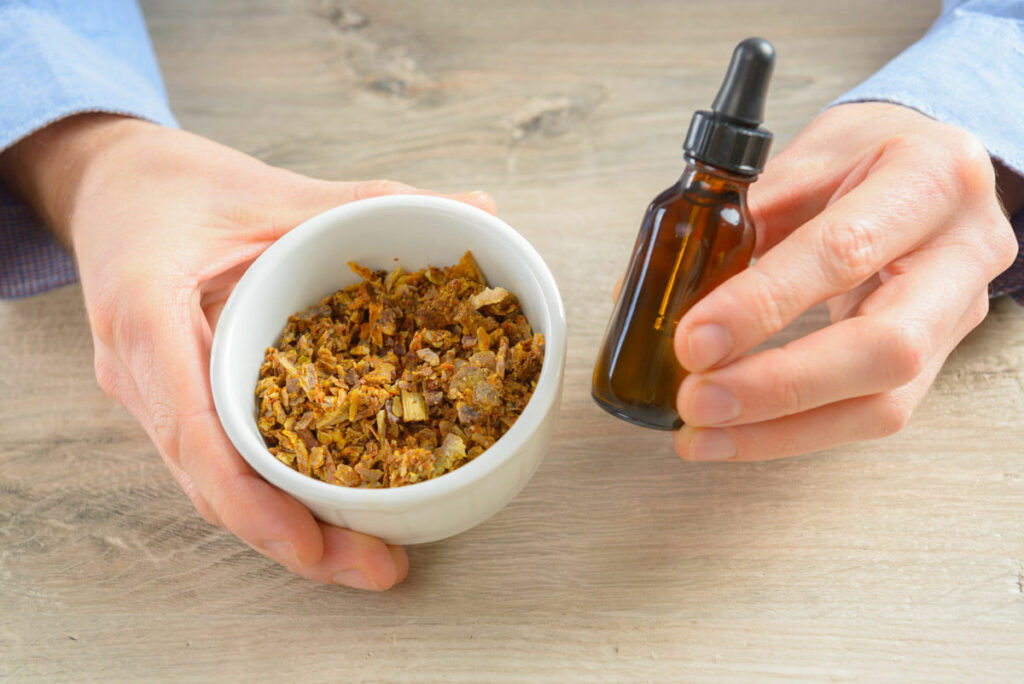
(398,378)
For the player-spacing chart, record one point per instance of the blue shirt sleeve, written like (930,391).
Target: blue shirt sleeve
(968,70)
(59,58)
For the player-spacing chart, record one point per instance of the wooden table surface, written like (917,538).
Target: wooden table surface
(895,560)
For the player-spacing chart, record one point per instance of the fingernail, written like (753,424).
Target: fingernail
(356,578)
(711,445)
(709,343)
(713,404)
(282,550)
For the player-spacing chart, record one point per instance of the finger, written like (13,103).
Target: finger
(186,429)
(478,199)
(317,196)
(849,303)
(833,253)
(117,382)
(280,527)
(355,560)
(215,291)
(191,489)
(254,510)
(921,309)
(799,182)
(286,199)
(345,191)
(165,350)
(861,418)
(794,188)
(267,223)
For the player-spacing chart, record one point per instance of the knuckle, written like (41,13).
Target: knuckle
(969,162)
(954,164)
(978,311)
(769,308)
(1004,245)
(104,305)
(966,163)
(785,383)
(850,252)
(164,422)
(892,413)
(112,316)
(108,378)
(905,347)
(990,242)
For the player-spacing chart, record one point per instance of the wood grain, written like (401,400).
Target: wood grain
(896,560)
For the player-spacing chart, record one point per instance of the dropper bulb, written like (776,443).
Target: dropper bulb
(745,88)
(730,136)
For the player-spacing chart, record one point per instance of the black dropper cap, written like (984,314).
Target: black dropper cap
(729,136)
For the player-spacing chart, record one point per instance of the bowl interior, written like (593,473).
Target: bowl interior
(311,262)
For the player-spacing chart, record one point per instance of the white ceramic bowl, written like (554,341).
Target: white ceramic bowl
(309,263)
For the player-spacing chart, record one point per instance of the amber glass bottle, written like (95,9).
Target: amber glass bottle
(694,236)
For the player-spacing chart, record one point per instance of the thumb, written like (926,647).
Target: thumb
(317,196)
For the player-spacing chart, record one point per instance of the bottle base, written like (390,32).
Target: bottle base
(653,418)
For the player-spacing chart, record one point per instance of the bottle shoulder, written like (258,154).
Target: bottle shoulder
(676,195)
(670,195)
(678,207)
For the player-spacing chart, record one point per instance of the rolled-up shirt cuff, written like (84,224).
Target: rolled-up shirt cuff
(968,70)
(51,71)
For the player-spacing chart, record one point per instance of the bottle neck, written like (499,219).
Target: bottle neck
(709,183)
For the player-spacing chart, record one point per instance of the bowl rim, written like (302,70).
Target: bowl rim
(545,395)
